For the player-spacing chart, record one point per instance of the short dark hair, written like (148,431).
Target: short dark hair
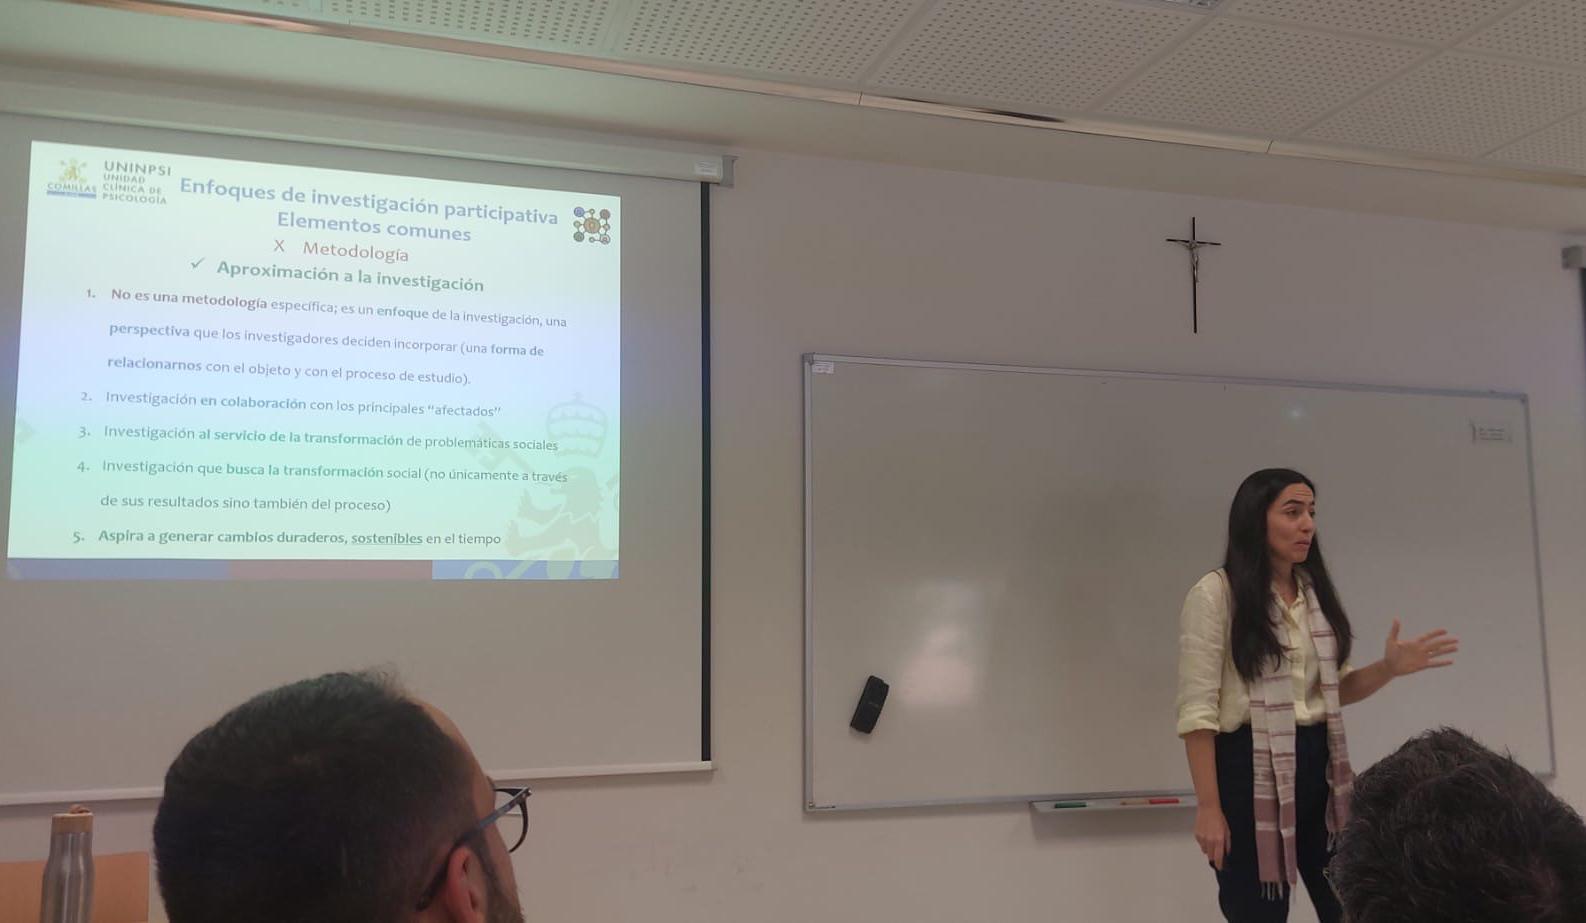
(1446,830)
(322,801)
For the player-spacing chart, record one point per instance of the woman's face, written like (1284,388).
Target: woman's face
(1291,525)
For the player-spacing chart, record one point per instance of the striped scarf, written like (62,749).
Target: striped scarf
(1272,727)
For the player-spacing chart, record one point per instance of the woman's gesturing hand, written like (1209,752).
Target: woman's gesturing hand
(1433,649)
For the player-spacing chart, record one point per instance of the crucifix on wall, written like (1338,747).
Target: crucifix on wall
(1194,245)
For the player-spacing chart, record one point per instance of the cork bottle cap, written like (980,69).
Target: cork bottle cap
(77,820)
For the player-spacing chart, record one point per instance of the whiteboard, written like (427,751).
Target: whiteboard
(1009,548)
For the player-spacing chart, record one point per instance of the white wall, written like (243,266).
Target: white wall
(814,255)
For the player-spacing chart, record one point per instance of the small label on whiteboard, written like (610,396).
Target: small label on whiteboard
(1490,432)
(823,368)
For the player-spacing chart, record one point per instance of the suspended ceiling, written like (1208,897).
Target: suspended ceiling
(1472,109)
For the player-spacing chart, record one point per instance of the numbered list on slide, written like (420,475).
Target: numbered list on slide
(225,360)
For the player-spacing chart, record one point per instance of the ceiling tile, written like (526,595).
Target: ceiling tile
(821,40)
(554,24)
(1546,30)
(286,6)
(1458,105)
(1428,21)
(304,8)
(1028,54)
(1559,147)
(1260,79)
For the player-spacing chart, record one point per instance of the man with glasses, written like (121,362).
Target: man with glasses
(1446,831)
(339,799)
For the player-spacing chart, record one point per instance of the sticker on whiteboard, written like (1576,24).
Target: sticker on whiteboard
(823,368)
(1490,432)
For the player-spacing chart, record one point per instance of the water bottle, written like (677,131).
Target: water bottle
(69,873)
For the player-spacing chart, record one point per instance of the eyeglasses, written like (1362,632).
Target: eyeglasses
(512,812)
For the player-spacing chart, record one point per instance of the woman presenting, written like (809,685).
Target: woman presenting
(1263,675)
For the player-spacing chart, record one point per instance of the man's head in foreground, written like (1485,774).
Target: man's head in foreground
(1446,830)
(338,799)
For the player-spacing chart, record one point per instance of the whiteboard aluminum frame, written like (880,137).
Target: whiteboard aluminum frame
(809,361)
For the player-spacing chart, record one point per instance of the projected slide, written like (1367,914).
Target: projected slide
(233,369)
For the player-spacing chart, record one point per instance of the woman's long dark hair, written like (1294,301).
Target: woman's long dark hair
(1252,639)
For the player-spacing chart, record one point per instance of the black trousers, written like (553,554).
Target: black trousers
(1239,883)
